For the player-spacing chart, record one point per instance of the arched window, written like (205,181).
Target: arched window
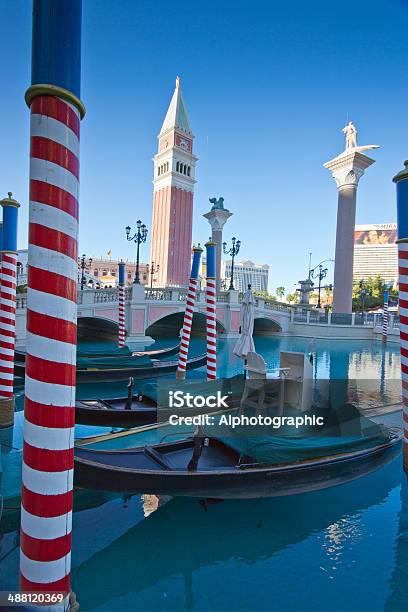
(188,171)
(167,166)
(185,169)
(177,166)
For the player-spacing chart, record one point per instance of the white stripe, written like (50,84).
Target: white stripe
(49,438)
(48,127)
(44,572)
(51,305)
(71,106)
(403,279)
(45,528)
(7,351)
(47,172)
(8,339)
(49,394)
(53,261)
(5,364)
(7,265)
(404,360)
(54,218)
(6,326)
(47,483)
(52,350)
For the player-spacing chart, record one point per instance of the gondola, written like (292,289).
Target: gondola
(221,472)
(150,405)
(146,369)
(20,356)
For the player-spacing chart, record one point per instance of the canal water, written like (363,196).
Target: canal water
(345,548)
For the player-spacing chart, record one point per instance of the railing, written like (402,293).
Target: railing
(158,294)
(102,296)
(21,300)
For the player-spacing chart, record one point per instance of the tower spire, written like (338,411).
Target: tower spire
(176,116)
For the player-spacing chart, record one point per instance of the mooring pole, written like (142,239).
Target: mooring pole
(385,317)
(211,297)
(188,314)
(121,289)
(8,308)
(401,180)
(49,409)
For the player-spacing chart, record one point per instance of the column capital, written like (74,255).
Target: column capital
(348,168)
(218,218)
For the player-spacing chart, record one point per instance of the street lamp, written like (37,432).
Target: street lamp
(233,251)
(321,274)
(84,267)
(152,270)
(139,236)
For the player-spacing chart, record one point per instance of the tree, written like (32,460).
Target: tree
(280,291)
(292,298)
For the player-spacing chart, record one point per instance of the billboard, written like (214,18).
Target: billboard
(376,234)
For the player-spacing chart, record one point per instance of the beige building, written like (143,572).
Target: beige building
(106,272)
(376,252)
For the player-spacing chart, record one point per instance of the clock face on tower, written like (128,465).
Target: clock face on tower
(183,143)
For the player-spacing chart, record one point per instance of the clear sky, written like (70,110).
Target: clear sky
(268,85)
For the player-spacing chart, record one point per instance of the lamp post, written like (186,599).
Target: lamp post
(320,273)
(84,267)
(139,236)
(19,271)
(233,251)
(152,270)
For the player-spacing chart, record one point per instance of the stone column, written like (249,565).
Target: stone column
(217,218)
(305,290)
(346,169)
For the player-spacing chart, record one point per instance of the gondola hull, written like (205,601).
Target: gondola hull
(160,368)
(218,476)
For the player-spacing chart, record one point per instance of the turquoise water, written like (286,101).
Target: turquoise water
(345,548)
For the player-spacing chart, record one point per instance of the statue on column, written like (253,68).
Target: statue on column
(217,204)
(350,132)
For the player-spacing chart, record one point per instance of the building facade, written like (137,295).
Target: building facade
(106,272)
(174,172)
(245,273)
(376,252)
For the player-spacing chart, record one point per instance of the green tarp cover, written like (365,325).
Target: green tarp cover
(107,351)
(159,390)
(116,362)
(345,430)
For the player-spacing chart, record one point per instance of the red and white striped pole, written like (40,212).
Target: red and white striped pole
(385,317)
(188,314)
(121,289)
(49,409)
(211,303)
(401,180)
(8,308)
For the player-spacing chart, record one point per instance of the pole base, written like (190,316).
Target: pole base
(180,374)
(6,411)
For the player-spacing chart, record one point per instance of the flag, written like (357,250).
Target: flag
(109,253)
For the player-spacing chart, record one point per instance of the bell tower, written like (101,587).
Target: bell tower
(174,171)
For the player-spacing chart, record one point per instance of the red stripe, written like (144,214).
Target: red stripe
(5,370)
(6,345)
(403,287)
(402,254)
(52,239)
(49,416)
(10,309)
(7,358)
(46,460)
(51,151)
(8,320)
(53,196)
(10,334)
(51,327)
(56,108)
(50,282)
(10,259)
(8,284)
(45,550)
(50,371)
(59,586)
(404,352)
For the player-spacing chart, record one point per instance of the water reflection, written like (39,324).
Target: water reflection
(181,537)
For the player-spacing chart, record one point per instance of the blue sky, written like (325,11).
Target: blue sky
(268,86)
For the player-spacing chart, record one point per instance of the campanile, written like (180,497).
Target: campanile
(174,170)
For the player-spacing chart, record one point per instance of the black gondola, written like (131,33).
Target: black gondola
(222,472)
(104,374)
(20,356)
(140,409)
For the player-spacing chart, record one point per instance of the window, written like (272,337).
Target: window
(177,166)
(129,275)
(96,272)
(188,171)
